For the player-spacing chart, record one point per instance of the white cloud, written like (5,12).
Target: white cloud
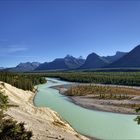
(13,49)
(16,48)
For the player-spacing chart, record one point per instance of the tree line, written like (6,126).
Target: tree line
(115,78)
(21,80)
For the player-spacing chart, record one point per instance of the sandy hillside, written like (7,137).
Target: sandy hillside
(44,123)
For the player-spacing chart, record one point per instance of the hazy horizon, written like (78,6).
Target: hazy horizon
(44,30)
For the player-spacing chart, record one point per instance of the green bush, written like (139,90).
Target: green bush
(11,130)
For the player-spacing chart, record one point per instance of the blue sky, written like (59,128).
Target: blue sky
(41,30)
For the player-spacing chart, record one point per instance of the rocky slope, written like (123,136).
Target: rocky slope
(115,57)
(43,122)
(66,63)
(130,60)
(25,67)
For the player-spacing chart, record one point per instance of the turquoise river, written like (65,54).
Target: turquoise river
(102,125)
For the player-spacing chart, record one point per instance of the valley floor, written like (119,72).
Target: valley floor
(43,122)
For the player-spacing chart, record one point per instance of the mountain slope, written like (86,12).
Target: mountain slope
(130,60)
(115,57)
(73,62)
(23,67)
(57,64)
(68,62)
(94,61)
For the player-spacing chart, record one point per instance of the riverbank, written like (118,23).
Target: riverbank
(126,106)
(99,124)
(43,122)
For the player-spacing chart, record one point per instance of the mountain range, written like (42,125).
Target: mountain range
(93,61)
(69,62)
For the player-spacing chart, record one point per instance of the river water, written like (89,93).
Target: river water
(102,125)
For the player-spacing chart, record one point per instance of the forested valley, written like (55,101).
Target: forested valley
(114,78)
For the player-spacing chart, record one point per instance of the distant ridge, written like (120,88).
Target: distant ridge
(115,57)
(68,62)
(73,62)
(130,60)
(25,67)
(57,64)
(94,61)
